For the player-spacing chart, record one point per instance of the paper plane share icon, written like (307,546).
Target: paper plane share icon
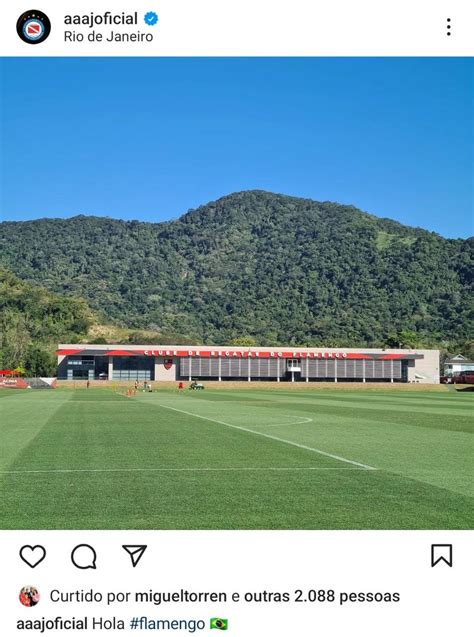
(135,551)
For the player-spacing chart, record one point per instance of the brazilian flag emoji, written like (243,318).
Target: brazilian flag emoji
(219,623)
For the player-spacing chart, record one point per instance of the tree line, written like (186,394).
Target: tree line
(257,265)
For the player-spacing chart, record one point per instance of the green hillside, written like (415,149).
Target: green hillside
(275,268)
(32,322)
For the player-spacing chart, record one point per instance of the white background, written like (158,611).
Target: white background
(434,601)
(261,27)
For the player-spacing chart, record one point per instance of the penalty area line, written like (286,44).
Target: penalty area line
(301,421)
(271,437)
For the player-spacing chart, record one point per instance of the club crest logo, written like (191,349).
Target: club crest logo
(168,364)
(33,26)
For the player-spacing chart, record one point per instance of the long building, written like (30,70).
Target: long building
(206,362)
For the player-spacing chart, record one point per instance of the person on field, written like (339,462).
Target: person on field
(181,385)
(88,384)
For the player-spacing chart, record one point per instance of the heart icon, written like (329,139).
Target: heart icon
(32,555)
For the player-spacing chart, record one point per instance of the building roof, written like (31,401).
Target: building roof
(215,351)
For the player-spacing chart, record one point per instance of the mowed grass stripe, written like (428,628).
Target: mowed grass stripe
(451,398)
(383,415)
(277,438)
(440,457)
(11,393)
(22,418)
(286,487)
(97,436)
(350,499)
(450,402)
(401,406)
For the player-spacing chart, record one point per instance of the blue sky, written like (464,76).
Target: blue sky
(149,138)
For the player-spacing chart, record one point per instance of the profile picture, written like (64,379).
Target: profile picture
(29,596)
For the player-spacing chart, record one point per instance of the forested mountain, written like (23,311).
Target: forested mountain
(33,320)
(255,264)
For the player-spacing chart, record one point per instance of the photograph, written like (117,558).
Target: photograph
(236,293)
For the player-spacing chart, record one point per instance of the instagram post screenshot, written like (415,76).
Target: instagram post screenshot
(236,318)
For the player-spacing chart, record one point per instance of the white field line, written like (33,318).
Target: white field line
(288,442)
(300,421)
(182,469)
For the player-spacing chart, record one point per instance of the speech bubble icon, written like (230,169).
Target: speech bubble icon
(84,556)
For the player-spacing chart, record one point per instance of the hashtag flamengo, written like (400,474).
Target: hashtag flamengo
(147,623)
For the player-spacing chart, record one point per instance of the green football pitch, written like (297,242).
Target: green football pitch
(236,459)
